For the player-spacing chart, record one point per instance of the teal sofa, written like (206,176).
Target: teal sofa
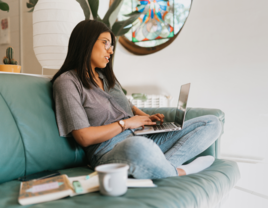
(30,143)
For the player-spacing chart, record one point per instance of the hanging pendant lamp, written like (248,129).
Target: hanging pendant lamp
(53,22)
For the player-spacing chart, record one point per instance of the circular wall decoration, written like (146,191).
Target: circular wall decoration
(158,25)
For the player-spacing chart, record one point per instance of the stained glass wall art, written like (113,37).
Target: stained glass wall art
(155,22)
(179,8)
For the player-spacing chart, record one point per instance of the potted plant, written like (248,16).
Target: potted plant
(10,64)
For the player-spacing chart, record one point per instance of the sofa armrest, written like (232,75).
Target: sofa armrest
(196,112)
(169,113)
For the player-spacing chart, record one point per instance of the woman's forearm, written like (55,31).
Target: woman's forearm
(138,112)
(96,134)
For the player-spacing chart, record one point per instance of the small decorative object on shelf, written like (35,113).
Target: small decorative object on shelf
(152,101)
(10,64)
(8,59)
(139,96)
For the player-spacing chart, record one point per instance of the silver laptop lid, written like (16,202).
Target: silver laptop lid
(182,104)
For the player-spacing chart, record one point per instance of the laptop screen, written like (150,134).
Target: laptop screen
(182,104)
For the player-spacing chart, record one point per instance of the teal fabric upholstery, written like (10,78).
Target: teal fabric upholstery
(205,189)
(29,135)
(30,143)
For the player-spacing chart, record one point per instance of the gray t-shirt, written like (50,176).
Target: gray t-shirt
(78,107)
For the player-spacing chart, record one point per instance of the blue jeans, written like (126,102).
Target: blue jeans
(156,156)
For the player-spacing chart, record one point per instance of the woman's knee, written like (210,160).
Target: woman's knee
(137,144)
(216,123)
(210,120)
(139,149)
(144,157)
(213,127)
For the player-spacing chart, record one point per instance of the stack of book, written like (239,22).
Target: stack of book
(37,191)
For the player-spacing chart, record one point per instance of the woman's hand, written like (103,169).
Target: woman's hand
(138,121)
(157,117)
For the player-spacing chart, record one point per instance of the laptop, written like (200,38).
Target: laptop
(179,118)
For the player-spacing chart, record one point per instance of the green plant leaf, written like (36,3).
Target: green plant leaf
(139,96)
(112,13)
(31,4)
(34,2)
(132,13)
(4,6)
(85,8)
(147,8)
(119,27)
(94,6)
(31,10)
(122,31)
(135,13)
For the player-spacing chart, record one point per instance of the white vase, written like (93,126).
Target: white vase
(53,22)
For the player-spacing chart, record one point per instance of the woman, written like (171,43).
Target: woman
(92,108)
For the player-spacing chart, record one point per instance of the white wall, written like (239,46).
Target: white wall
(222,51)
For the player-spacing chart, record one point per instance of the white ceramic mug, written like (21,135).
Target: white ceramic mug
(113,178)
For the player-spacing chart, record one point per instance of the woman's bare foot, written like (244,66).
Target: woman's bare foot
(181,172)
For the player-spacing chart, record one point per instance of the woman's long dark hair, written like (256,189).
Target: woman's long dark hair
(81,43)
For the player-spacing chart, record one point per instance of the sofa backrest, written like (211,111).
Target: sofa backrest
(29,137)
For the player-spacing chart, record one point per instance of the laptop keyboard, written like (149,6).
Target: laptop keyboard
(164,126)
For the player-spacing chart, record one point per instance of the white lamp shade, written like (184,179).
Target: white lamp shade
(53,23)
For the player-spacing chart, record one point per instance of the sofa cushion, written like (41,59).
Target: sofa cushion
(203,190)
(29,135)
(12,155)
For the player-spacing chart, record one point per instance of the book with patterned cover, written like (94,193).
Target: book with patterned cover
(57,187)
(43,190)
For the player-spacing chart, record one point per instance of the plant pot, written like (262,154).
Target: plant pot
(10,68)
